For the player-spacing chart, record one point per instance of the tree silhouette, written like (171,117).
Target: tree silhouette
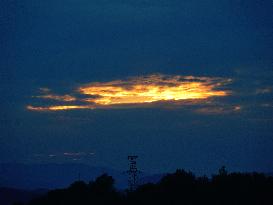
(181,187)
(223,171)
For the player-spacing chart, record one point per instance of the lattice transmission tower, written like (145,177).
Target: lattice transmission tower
(133,173)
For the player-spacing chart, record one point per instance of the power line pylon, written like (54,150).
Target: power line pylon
(133,173)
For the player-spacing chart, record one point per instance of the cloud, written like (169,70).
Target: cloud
(141,91)
(214,110)
(73,154)
(44,90)
(264,90)
(59,107)
(65,98)
(65,155)
(153,88)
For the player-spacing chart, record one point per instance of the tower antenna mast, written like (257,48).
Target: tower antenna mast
(132,172)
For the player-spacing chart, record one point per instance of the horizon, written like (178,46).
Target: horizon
(181,84)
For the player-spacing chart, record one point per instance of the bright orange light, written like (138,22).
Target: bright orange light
(151,89)
(59,107)
(139,90)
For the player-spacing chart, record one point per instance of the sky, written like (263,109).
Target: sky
(182,84)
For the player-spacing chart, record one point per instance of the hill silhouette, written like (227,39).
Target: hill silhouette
(52,176)
(181,187)
(10,195)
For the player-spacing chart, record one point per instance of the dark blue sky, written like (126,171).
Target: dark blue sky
(61,44)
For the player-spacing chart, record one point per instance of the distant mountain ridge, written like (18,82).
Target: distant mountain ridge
(52,176)
(23,182)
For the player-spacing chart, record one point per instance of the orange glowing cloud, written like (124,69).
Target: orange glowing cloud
(59,107)
(141,90)
(153,88)
(65,98)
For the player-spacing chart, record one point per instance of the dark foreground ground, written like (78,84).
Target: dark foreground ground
(180,188)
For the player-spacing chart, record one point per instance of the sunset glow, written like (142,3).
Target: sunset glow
(60,107)
(140,90)
(151,89)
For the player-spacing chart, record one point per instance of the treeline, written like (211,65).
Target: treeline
(179,188)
